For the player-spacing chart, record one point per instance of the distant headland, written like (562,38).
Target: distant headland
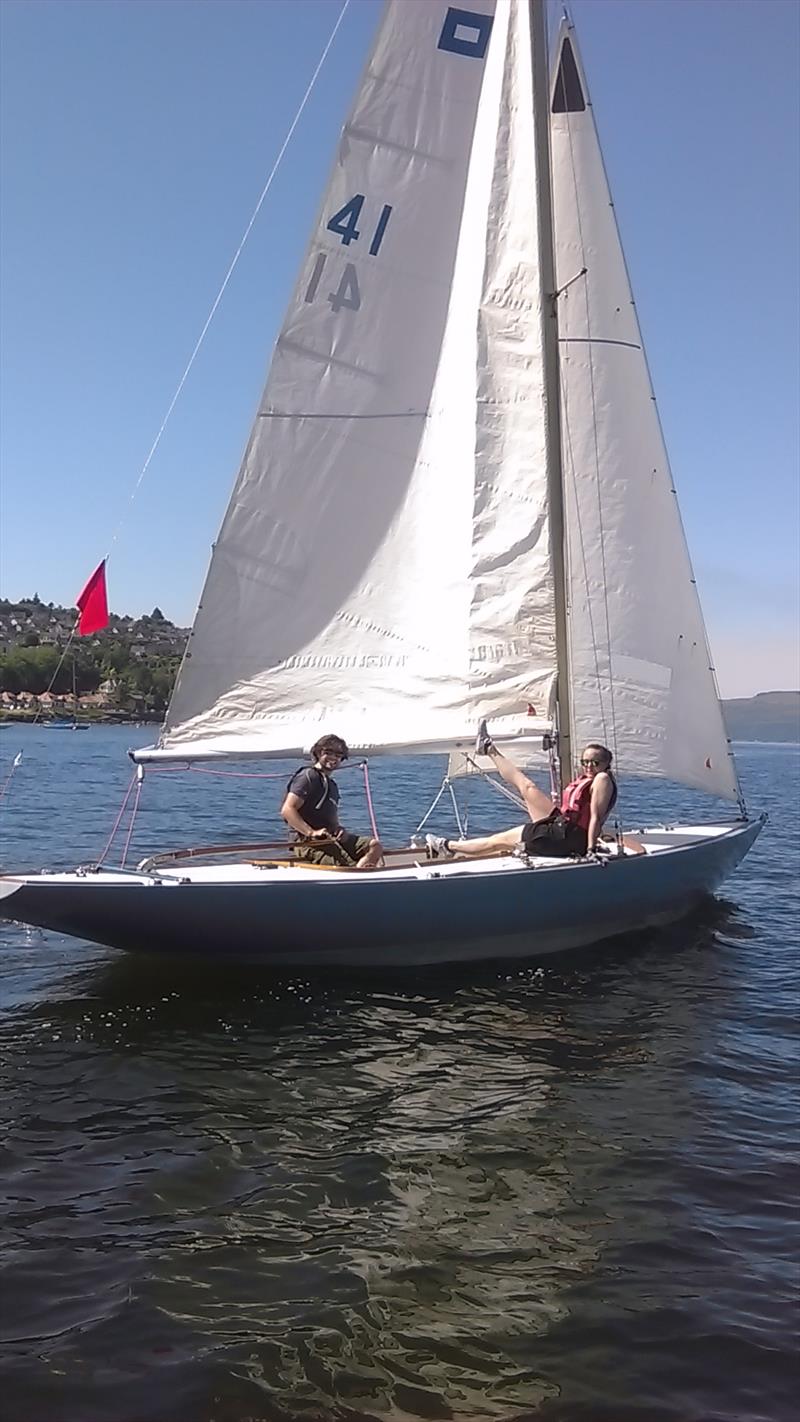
(769,716)
(126,673)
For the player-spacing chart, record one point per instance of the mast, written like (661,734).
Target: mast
(555,478)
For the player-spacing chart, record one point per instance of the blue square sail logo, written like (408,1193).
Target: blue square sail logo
(465,32)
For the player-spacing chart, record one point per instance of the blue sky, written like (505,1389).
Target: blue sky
(136,136)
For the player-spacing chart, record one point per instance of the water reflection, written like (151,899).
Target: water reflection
(562,1191)
(342,1193)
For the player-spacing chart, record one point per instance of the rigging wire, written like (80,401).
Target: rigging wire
(231,269)
(138,777)
(199,342)
(135,810)
(117,822)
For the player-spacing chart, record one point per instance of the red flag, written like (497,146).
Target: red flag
(92,603)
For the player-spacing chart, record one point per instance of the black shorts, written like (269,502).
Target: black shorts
(555,837)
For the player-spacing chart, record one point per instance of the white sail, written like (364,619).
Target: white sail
(383,567)
(641,679)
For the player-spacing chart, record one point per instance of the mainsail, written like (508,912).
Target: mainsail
(383,568)
(640,672)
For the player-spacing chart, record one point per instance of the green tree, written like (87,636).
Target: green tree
(122,695)
(10,674)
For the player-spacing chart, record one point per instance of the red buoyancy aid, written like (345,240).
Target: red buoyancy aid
(576,802)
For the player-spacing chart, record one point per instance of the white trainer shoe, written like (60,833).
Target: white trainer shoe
(437,847)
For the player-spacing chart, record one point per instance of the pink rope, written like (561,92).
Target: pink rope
(139,784)
(118,821)
(253,774)
(205,770)
(372,821)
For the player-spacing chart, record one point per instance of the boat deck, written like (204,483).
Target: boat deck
(404,863)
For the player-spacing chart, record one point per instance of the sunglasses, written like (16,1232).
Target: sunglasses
(592,762)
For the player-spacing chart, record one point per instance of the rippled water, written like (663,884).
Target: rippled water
(557,1192)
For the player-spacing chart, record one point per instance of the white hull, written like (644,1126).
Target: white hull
(420,912)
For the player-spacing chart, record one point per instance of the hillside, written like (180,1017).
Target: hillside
(131,666)
(126,670)
(33,623)
(769,716)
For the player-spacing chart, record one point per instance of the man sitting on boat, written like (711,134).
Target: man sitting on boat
(311,810)
(570,828)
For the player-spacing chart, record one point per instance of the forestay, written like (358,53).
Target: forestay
(383,567)
(640,666)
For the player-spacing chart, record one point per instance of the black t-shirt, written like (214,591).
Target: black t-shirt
(320,797)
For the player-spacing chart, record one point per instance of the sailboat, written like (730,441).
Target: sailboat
(455,503)
(57,723)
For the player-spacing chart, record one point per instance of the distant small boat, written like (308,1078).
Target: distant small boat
(61,723)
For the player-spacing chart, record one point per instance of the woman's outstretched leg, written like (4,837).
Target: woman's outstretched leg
(503,843)
(538,805)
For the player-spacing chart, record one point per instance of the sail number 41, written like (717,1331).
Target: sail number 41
(344,223)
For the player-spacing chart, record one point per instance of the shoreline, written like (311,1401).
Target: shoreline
(32,719)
